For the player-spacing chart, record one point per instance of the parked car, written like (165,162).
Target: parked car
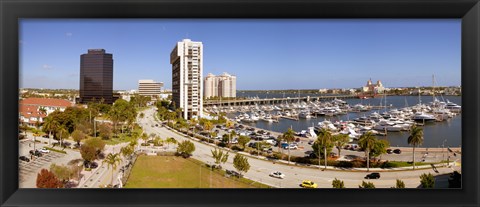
(277,174)
(373,176)
(389,151)
(44,150)
(234,173)
(310,142)
(35,153)
(23,158)
(397,151)
(46,136)
(292,147)
(308,184)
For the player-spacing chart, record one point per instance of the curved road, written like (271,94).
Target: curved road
(260,169)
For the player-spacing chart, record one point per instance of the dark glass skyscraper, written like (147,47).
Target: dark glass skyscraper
(96,76)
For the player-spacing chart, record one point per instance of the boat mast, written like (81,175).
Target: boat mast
(433,89)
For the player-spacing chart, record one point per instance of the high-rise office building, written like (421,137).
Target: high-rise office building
(149,88)
(187,81)
(96,76)
(224,85)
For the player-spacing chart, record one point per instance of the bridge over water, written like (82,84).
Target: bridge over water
(243,102)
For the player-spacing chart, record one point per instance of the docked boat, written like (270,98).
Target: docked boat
(453,107)
(304,115)
(423,117)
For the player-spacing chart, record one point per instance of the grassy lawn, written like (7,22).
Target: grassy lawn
(177,172)
(122,138)
(407,164)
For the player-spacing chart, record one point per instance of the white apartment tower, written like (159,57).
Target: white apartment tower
(224,85)
(187,81)
(149,88)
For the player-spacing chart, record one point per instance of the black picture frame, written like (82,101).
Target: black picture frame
(11,11)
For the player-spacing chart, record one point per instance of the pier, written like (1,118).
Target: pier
(265,101)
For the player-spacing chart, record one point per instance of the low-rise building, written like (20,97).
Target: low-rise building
(33,110)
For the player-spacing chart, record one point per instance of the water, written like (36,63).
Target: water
(434,133)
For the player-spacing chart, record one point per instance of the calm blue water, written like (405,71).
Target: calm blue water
(434,133)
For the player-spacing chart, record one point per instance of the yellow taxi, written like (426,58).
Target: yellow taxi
(308,184)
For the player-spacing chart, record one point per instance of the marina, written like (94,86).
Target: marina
(388,117)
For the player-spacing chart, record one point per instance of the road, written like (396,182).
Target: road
(260,169)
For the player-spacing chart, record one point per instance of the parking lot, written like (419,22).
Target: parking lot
(28,169)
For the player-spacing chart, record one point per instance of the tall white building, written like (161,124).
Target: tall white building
(149,88)
(187,81)
(224,85)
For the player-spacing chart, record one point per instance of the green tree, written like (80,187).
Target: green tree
(112,160)
(144,138)
(208,125)
(289,136)
(243,140)
(219,156)
(171,140)
(324,141)
(231,135)
(62,172)
(380,147)
(415,139)
(127,151)
(158,141)
(337,183)
(186,148)
(88,153)
(427,180)
(78,136)
(399,184)
(105,131)
(62,133)
(366,185)
(339,141)
(50,126)
(97,143)
(367,142)
(46,179)
(241,163)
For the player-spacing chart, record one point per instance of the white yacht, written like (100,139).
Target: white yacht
(304,115)
(453,107)
(423,117)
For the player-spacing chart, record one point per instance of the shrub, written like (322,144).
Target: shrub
(222,144)
(427,180)
(344,164)
(236,148)
(303,160)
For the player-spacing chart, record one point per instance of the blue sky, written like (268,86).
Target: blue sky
(263,54)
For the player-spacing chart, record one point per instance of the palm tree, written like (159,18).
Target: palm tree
(62,132)
(415,139)
(232,133)
(112,160)
(367,142)
(289,136)
(207,125)
(325,138)
(144,138)
(339,141)
(50,125)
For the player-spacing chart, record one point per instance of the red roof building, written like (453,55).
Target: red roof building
(33,110)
